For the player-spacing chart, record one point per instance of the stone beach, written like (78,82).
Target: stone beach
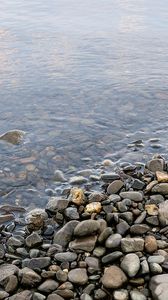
(104,237)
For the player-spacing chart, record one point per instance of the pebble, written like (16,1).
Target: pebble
(132,195)
(159,287)
(113,241)
(78,276)
(132,244)
(77,180)
(113,277)
(150,244)
(130,264)
(121,295)
(87,227)
(136,295)
(115,187)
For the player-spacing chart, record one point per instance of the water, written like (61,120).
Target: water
(83,79)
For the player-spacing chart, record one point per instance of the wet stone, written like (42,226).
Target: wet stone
(78,180)
(115,187)
(56,204)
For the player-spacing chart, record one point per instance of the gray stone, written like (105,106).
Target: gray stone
(109,258)
(85,297)
(132,195)
(2,251)
(11,284)
(161,188)
(48,286)
(155,165)
(56,204)
(3,295)
(36,263)
(33,240)
(29,277)
(139,229)
(122,228)
(7,270)
(99,251)
(113,241)
(25,295)
(115,187)
(87,227)
(109,177)
(14,242)
(130,264)
(66,256)
(85,243)
(159,287)
(105,234)
(64,235)
(159,259)
(71,213)
(144,267)
(132,244)
(38,296)
(59,176)
(54,297)
(78,276)
(155,268)
(136,295)
(113,277)
(77,180)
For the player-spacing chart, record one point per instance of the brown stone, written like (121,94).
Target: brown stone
(93,207)
(162,176)
(151,209)
(113,277)
(150,244)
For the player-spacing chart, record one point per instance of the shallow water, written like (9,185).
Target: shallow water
(84,80)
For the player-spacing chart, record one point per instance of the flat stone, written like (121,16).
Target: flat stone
(155,165)
(160,188)
(115,187)
(78,276)
(36,263)
(139,229)
(33,240)
(87,227)
(159,287)
(48,286)
(150,244)
(130,264)
(29,277)
(66,256)
(77,180)
(113,241)
(132,195)
(64,235)
(163,213)
(132,244)
(136,295)
(85,243)
(56,204)
(7,270)
(159,259)
(113,277)
(109,177)
(109,258)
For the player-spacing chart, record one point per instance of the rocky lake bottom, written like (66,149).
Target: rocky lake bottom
(102,234)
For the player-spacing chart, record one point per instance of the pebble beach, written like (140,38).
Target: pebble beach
(90,243)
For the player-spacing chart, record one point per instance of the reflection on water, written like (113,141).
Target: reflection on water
(83,80)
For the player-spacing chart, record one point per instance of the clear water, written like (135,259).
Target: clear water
(83,79)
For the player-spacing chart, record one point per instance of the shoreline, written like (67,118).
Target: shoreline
(110,243)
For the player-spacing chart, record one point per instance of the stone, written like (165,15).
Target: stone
(151,209)
(36,263)
(2,251)
(163,213)
(132,195)
(11,284)
(99,251)
(159,287)
(3,295)
(6,218)
(121,295)
(87,227)
(54,297)
(130,264)
(155,268)
(48,286)
(14,137)
(150,244)
(85,297)
(66,256)
(159,259)
(77,196)
(105,234)
(36,218)
(56,204)
(59,176)
(139,229)
(14,242)
(77,180)
(144,267)
(136,295)
(61,276)
(64,235)
(29,277)
(109,258)
(155,165)
(85,243)
(160,188)
(93,207)
(161,176)
(93,263)
(7,270)
(113,278)
(25,295)
(115,187)
(71,213)
(113,241)
(96,197)
(38,296)
(109,177)
(33,240)
(132,244)
(78,276)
